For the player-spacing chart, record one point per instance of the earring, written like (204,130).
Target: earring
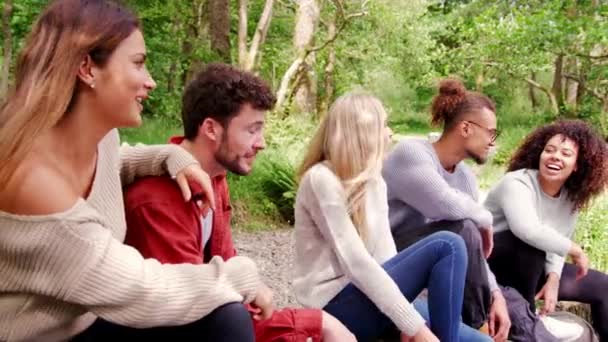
(92,85)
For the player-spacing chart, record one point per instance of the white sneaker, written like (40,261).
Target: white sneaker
(563,331)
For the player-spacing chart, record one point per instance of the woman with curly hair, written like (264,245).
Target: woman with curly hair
(554,174)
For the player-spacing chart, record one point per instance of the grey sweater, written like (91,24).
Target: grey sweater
(518,203)
(420,190)
(330,254)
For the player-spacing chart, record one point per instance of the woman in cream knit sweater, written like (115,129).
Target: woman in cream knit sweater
(346,261)
(63,265)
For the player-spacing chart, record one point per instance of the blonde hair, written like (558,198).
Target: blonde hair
(46,72)
(351,141)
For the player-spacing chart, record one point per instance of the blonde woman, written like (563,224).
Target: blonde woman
(65,271)
(346,260)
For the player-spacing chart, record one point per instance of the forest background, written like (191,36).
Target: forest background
(539,60)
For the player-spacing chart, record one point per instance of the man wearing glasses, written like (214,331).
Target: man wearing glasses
(431,188)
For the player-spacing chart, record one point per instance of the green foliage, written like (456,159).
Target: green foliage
(397,50)
(153,131)
(267,195)
(592,234)
(279,184)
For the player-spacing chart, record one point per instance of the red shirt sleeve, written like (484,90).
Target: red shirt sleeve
(293,325)
(161,231)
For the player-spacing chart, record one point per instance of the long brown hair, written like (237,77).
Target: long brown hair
(46,72)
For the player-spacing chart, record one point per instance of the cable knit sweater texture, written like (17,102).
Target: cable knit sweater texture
(61,271)
(330,254)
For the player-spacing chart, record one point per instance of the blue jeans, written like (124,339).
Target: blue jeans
(467,334)
(438,263)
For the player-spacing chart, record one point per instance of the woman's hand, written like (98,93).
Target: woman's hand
(263,304)
(580,259)
(424,335)
(487,239)
(194,173)
(549,294)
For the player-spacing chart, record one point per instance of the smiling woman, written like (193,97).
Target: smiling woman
(123,83)
(65,271)
(553,175)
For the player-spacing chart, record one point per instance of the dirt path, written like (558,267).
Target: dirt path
(273,252)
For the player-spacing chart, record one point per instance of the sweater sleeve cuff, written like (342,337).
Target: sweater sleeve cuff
(492,283)
(555,264)
(483,218)
(178,159)
(565,245)
(411,321)
(242,275)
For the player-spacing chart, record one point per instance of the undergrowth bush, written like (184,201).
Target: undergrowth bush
(266,197)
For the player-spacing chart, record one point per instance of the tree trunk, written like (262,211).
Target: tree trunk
(219,28)
(548,92)
(296,65)
(195,33)
(329,81)
(571,93)
(287,77)
(249,58)
(242,33)
(531,93)
(7,50)
(479,80)
(604,116)
(572,86)
(556,89)
(307,18)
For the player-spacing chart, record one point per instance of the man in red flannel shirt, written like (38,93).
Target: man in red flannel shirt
(223,115)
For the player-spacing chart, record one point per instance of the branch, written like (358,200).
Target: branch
(536,85)
(331,39)
(591,57)
(260,31)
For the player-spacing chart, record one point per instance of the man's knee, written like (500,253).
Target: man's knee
(230,322)
(231,312)
(470,234)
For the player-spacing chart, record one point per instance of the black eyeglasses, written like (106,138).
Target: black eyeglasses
(494,133)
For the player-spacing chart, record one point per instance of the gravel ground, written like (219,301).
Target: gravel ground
(273,252)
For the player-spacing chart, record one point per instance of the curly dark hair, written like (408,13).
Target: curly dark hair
(591,176)
(218,92)
(454,100)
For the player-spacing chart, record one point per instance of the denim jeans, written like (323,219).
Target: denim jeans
(467,334)
(477,295)
(438,263)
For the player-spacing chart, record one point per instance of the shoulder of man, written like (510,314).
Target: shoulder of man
(412,149)
(150,190)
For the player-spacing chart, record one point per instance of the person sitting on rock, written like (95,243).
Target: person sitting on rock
(346,261)
(553,175)
(223,115)
(431,189)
